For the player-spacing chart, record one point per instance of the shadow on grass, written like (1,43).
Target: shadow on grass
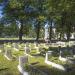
(3,69)
(54,71)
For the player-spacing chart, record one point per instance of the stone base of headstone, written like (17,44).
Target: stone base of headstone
(29,55)
(71,60)
(74,56)
(67,59)
(8,53)
(0,51)
(7,57)
(16,49)
(22,70)
(15,46)
(27,50)
(22,61)
(60,67)
(63,59)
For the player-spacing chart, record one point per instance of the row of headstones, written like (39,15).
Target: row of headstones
(8,51)
(24,59)
(18,45)
(70,58)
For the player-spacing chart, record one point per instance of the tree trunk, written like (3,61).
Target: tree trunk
(38,31)
(21,31)
(50,30)
(68,36)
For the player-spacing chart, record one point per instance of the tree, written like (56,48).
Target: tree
(1,28)
(16,10)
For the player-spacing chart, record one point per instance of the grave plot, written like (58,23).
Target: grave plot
(67,55)
(8,52)
(1,48)
(8,67)
(33,45)
(39,63)
(21,46)
(15,46)
(53,61)
(34,48)
(27,50)
(60,43)
(23,60)
(59,61)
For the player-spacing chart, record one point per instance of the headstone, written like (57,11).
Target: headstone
(35,44)
(49,53)
(15,46)
(8,53)
(27,44)
(46,32)
(61,53)
(72,36)
(27,50)
(1,47)
(37,50)
(23,60)
(19,46)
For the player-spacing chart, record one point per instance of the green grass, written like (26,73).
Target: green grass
(39,63)
(8,67)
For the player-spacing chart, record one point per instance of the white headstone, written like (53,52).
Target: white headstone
(35,44)
(23,60)
(27,50)
(15,46)
(47,54)
(1,47)
(8,53)
(27,44)
(46,32)
(37,50)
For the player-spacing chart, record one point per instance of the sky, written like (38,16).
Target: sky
(1,11)
(1,14)
(2,5)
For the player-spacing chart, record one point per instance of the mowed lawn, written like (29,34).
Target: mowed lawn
(8,67)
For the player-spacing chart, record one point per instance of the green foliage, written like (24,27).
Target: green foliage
(27,67)
(1,1)
(1,28)
(61,12)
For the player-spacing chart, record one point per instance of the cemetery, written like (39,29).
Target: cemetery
(27,61)
(37,37)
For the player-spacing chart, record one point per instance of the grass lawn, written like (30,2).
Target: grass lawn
(8,67)
(39,63)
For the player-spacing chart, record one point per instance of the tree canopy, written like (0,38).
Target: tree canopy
(36,13)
